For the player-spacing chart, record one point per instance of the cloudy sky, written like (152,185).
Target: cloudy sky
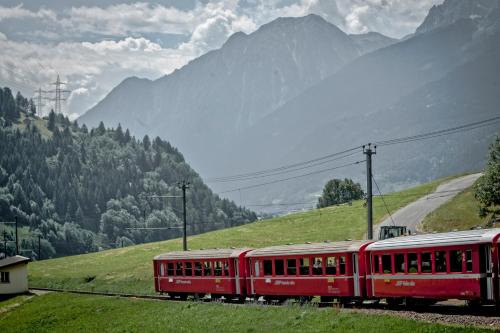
(93,45)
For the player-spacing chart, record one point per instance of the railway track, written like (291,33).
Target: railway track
(446,313)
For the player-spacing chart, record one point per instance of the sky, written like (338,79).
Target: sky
(95,44)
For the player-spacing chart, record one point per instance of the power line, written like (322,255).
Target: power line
(383,200)
(286,167)
(277,173)
(290,178)
(435,134)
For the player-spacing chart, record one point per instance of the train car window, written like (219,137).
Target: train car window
(425,262)
(331,266)
(440,261)
(386,264)
(162,269)
(217,268)
(456,261)
(291,266)
(279,267)
(257,270)
(178,268)
(468,260)
(188,269)
(318,266)
(399,261)
(375,266)
(197,268)
(207,268)
(412,263)
(342,265)
(304,266)
(268,267)
(170,269)
(226,268)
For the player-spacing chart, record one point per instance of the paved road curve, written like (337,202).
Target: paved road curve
(413,214)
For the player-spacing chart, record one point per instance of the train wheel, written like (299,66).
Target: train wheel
(183,296)
(305,299)
(393,302)
(199,296)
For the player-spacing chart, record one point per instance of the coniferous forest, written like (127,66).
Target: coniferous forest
(82,190)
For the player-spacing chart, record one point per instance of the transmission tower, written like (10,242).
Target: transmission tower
(39,97)
(58,94)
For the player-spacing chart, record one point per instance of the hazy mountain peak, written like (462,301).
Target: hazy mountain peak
(451,11)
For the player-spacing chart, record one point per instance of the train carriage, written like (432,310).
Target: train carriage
(330,270)
(218,272)
(432,267)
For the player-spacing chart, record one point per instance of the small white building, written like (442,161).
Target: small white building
(14,275)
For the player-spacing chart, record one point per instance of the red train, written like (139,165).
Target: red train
(414,269)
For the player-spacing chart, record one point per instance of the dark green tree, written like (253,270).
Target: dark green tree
(337,191)
(487,188)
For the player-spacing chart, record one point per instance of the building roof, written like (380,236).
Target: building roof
(201,254)
(12,261)
(313,248)
(440,239)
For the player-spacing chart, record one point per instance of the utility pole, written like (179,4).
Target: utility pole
(183,186)
(17,242)
(39,99)
(367,150)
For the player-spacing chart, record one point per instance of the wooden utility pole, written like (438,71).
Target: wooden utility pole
(367,150)
(183,186)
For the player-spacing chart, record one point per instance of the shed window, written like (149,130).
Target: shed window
(279,267)
(386,264)
(4,277)
(218,268)
(342,264)
(468,260)
(291,267)
(170,269)
(399,261)
(440,261)
(412,263)
(304,266)
(188,269)
(425,261)
(226,268)
(268,267)
(331,266)
(178,268)
(455,261)
(197,268)
(318,266)
(207,268)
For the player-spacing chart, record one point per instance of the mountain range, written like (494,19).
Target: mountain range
(299,88)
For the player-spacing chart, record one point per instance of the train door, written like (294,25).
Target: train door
(355,274)
(237,276)
(487,269)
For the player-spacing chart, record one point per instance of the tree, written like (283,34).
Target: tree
(338,191)
(487,188)
(51,124)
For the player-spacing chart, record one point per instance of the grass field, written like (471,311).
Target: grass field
(130,269)
(81,313)
(459,213)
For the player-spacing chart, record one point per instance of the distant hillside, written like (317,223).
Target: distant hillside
(299,88)
(80,190)
(203,106)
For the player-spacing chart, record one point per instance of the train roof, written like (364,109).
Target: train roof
(201,254)
(313,248)
(440,239)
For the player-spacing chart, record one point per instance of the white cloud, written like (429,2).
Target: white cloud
(18,12)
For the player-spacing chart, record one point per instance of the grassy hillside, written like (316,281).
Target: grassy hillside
(459,213)
(129,269)
(79,313)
